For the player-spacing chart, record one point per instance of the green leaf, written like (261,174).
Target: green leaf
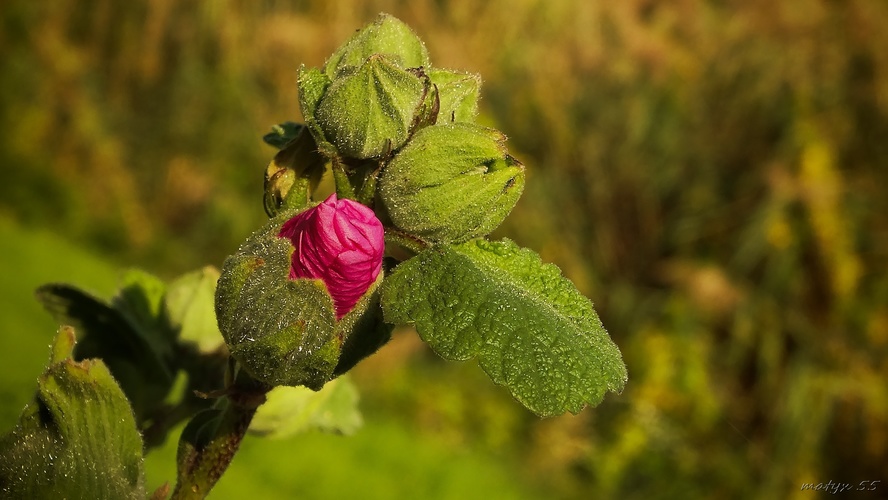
(530,328)
(190,305)
(140,301)
(282,133)
(293,410)
(77,439)
(108,334)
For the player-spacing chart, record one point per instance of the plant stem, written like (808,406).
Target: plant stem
(211,439)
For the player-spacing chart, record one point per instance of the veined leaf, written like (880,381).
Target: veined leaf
(529,327)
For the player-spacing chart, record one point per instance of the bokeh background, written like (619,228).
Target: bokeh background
(713,174)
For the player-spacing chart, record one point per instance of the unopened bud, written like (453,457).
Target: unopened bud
(293,174)
(451,182)
(369,112)
(284,314)
(340,242)
(387,35)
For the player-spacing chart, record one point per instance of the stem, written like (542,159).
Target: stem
(344,189)
(405,241)
(211,439)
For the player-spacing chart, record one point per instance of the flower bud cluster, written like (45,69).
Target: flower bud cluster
(297,303)
(377,88)
(442,177)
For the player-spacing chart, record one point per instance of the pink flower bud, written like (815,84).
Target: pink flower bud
(339,242)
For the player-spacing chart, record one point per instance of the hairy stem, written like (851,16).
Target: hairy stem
(210,441)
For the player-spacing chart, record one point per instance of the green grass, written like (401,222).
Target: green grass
(383,460)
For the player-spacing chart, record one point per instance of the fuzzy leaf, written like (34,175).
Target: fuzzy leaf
(77,439)
(529,327)
(109,334)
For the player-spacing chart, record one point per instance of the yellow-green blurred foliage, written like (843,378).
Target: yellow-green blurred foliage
(711,173)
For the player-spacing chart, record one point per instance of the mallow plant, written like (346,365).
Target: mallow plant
(264,345)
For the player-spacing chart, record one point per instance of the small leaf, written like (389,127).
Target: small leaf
(531,330)
(198,432)
(189,303)
(140,301)
(282,133)
(293,410)
(77,439)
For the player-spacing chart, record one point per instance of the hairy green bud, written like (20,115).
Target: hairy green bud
(387,35)
(451,182)
(370,112)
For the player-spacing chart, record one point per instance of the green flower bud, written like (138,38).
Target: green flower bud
(387,35)
(370,111)
(458,95)
(451,183)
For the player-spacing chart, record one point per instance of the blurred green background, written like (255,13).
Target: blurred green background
(710,173)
